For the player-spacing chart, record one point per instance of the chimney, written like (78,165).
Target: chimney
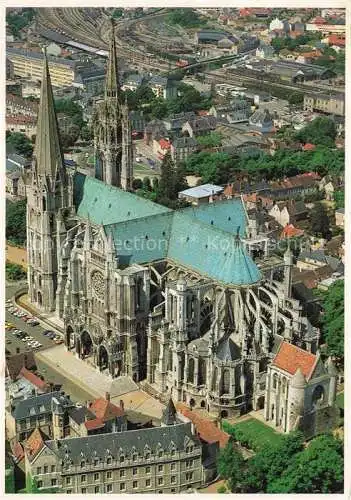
(121,404)
(107,396)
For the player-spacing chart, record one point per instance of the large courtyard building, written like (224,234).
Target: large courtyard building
(173,297)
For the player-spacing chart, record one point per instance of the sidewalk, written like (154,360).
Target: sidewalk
(90,380)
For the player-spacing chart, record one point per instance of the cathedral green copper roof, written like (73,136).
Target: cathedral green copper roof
(228,215)
(144,231)
(104,204)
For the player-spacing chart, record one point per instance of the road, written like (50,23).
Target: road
(12,343)
(48,372)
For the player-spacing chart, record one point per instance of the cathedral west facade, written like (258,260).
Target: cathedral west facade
(173,297)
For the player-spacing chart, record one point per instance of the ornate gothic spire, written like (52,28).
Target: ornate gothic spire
(112,83)
(48,154)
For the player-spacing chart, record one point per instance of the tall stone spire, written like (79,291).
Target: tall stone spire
(47,153)
(112,83)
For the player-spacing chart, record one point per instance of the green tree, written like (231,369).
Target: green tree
(339,198)
(16,222)
(321,130)
(86,133)
(21,144)
(316,469)
(230,465)
(137,184)
(319,221)
(270,462)
(147,184)
(167,182)
(333,320)
(14,272)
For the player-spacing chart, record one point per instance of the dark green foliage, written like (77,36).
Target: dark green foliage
(316,469)
(9,478)
(117,13)
(17,22)
(20,143)
(70,108)
(210,140)
(212,167)
(295,98)
(230,465)
(185,17)
(16,222)
(143,98)
(86,133)
(147,184)
(172,181)
(321,131)
(14,272)
(137,184)
(292,43)
(336,64)
(333,320)
(319,221)
(339,198)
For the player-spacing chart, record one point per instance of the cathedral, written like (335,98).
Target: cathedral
(174,298)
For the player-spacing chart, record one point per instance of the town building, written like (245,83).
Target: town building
(182,148)
(326,103)
(205,193)
(201,125)
(300,390)
(166,459)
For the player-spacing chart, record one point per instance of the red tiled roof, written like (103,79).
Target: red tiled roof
(289,358)
(97,423)
(105,410)
(207,430)
(35,442)
(164,144)
(17,450)
(33,379)
(290,231)
(336,40)
(202,112)
(309,147)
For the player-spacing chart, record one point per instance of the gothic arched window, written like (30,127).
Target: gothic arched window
(225,382)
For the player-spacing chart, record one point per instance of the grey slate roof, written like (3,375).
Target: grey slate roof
(169,415)
(96,446)
(320,256)
(79,414)
(37,405)
(18,160)
(227,350)
(181,142)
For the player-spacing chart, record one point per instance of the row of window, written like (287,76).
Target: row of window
(122,472)
(109,489)
(136,484)
(135,457)
(46,469)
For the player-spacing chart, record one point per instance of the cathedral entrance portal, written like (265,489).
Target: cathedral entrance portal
(103,358)
(87,344)
(70,340)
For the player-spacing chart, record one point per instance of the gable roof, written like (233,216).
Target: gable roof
(96,446)
(201,238)
(37,404)
(105,410)
(35,443)
(33,379)
(290,357)
(104,204)
(15,363)
(206,429)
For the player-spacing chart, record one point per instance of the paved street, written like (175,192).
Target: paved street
(96,384)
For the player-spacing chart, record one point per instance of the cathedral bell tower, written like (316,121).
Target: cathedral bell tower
(112,130)
(49,199)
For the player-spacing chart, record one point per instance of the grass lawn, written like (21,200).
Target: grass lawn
(255,432)
(340,400)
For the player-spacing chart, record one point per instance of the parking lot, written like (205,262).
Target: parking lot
(14,344)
